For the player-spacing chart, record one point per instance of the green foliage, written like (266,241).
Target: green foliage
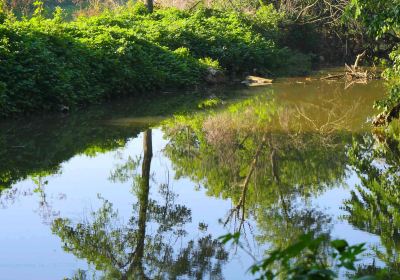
(268,16)
(391,100)
(379,16)
(392,73)
(302,258)
(46,64)
(59,15)
(374,204)
(39,9)
(210,62)
(382,19)
(2,12)
(137,8)
(224,36)
(209,103)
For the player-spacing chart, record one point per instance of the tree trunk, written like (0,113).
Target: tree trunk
(150,4)
(137,263)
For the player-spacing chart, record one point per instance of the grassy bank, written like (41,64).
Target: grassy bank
(46,64)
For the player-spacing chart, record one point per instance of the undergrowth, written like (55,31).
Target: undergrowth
(49,63)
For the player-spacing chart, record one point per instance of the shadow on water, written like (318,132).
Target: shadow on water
(272,152)
(42,144)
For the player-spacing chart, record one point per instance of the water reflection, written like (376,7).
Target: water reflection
(269,159)
(374,204)
(42,144)
(270,152)
(130,251)
(248,154)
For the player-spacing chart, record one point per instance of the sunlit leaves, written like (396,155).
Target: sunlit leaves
(50,63)
(301,259)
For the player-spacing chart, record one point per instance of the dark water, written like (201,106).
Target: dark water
(145,188)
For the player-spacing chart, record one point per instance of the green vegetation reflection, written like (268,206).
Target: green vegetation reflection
(130,251)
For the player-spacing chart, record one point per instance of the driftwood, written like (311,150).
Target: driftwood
(333,77)
(252,81)
(358,60)
(352,74)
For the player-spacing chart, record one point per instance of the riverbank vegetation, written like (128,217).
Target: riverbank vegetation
(49,64)
(57,59)
(382,22)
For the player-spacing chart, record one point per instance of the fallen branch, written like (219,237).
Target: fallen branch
(359,56)
(329,77)
(352,74)
(256,81)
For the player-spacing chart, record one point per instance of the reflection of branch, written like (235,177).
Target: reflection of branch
(10,196)
(45,209)
(335,119)
(275,177)
(353,82)
(239,209)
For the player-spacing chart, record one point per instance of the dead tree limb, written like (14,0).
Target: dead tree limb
(359,56)
(352,74)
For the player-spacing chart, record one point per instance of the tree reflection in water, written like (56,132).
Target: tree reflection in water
(268,160)
(374,205)
(129,251)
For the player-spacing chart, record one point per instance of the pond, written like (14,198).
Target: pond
(146,187)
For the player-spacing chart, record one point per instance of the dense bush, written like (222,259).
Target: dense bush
(381,19)
(45,64)
(48,63)
(235,40)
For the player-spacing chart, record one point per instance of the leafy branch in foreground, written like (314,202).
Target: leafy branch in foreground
(308,258)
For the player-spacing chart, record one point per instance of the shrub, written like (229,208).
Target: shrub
(46,64)
(224,36)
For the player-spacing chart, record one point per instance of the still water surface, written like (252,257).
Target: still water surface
(145,188)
